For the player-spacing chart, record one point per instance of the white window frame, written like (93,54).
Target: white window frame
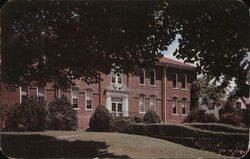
(78,108)
(182,105)
(115,75)
(173,105)
(143,97)
(152,70)
(58,93)
(37,92)
(20,92)
(185,78)
(153,102)
(143,70)
(176,79)
(91,97)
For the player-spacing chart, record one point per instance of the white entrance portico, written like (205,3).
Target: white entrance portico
(117,102)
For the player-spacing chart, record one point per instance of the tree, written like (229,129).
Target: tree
(61,115)
(204,93)
(61,41)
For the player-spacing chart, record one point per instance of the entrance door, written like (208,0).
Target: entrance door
(116,107)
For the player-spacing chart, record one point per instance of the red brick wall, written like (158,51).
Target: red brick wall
(134,89)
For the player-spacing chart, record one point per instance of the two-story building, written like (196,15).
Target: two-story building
(164,88)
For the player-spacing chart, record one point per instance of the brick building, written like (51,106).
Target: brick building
(164,88)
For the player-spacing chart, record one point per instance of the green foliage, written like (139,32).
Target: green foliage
(218,127)
(4,111)
(120,124)
(29,115)
(55,41)
(151,117)
(246,117)
(40,30)
(62,116)
(208,140)
(233,118)
(200,115)
(229,114)
(205,93)
(101,120)
(137,119)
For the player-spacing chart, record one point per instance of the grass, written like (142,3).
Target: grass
(81,144)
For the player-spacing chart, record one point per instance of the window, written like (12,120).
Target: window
(175,103)
(88,99)
(152,77)
(142,75)
(153,102)
(184,82)
(24,93)
(75,97)
(116,77)
(175,79)
(116,106)
(41,92)
(184,105)
(142,103)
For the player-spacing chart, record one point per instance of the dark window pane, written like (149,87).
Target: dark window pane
(174,80)
(113,107)
(89,104)
(183,82)
(119,107)
(141,74)
(113,79)
(183,110)
(119,80)
(75,103)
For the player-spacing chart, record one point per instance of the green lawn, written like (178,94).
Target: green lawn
(54,144)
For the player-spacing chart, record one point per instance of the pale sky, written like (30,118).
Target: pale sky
(175,44)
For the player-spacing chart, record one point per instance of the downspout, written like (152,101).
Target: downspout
(165,95)
(99,88)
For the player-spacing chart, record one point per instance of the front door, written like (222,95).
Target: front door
(116,107)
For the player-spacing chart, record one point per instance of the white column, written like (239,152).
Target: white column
(108,103)
(125,106)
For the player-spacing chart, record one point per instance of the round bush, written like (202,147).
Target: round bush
(233,118)
(101,120)
(151,117)
(137,119)
(30,115)
(120,124)
(62,116)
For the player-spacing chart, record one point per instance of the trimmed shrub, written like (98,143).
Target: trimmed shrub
(137,119)
(30,115)
(210,118)
(245,113)
(151,117)
(231,118)
(184,134)
(101,120)
(62,116)
(120,124)
(195,115)
(217,127)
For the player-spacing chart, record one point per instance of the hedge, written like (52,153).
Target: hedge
(219,127)
(196,137)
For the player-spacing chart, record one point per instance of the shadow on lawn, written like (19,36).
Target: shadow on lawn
(40,146)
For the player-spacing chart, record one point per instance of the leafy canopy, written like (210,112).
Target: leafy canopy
(60,41)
